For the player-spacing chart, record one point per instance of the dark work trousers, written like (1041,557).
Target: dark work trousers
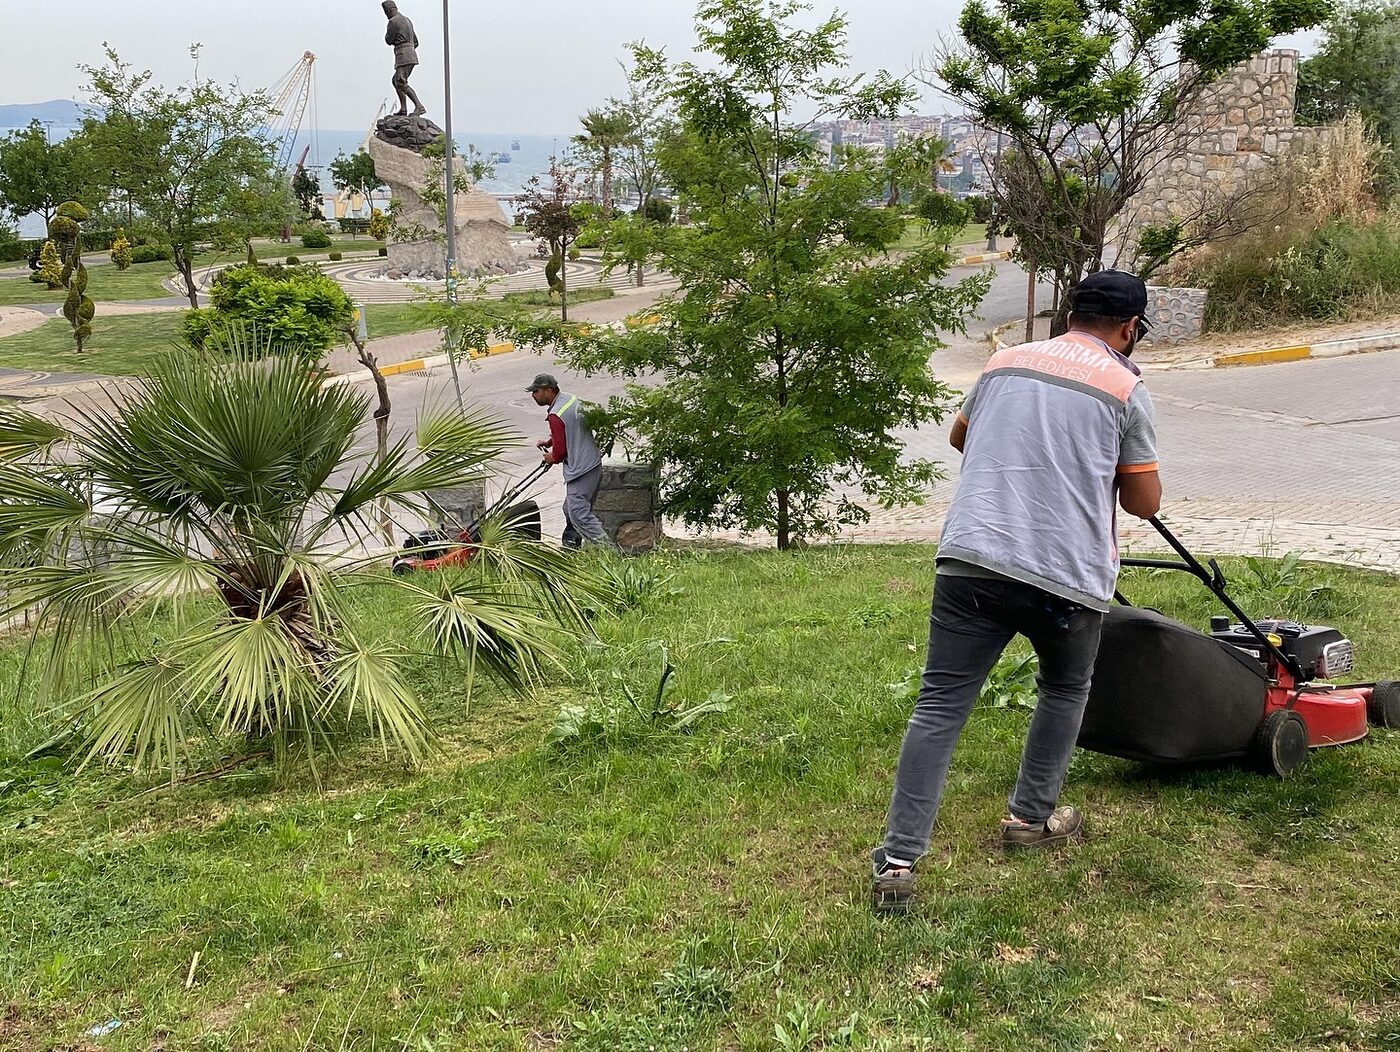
(972,621)
(581,522)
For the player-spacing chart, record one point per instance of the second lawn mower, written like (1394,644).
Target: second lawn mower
(1166,693)
(439,549)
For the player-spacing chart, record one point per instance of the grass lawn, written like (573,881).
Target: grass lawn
(577,294)
(392,319)
(120,346)
(640,888)
(140,281)
(916,236)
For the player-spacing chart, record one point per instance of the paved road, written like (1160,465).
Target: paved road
(1303,455)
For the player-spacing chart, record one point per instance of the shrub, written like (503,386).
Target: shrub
(121,251)
(335,257)
(50,270)
(1343,269)
(78,307)
(574,253)
(315,239)
(383,252)
(294,307)
(150,254)
(292,261)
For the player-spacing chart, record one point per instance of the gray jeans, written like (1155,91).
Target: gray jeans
(581,523)
(972,621)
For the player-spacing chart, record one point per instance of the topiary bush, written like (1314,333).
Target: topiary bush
(78,308)
(316,239)
(335,257)
(293,261)
(383,252)
(50,272)
(378,225)
(295,306)
(574,254)
(121,251)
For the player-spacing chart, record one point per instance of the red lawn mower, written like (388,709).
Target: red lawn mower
(437,549)
(1166,693)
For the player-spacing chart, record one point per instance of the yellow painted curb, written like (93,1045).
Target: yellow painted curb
(494,349)
(1273,354)
(985,257)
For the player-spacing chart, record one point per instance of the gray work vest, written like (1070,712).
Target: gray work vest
(581,451)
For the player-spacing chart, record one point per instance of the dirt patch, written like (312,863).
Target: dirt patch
(15,320)
(1288,336)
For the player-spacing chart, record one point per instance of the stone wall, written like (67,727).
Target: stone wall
(628,496)
(1177,315)
(1239,128)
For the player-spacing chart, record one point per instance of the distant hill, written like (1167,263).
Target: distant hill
(63,112)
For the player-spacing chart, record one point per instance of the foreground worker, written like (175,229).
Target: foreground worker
(1050,434)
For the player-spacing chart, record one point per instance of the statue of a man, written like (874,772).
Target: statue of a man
(404,41)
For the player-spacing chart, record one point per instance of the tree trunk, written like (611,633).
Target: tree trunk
(564,281)
(784,526)
(1030,301)
(184,262)
(381,425)
(607,184)
(252,256)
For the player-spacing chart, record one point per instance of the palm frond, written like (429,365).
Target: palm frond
(367,680)
(22,434)
(144,709)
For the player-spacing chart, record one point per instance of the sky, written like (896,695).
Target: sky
(517,67)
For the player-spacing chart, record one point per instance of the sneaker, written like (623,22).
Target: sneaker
(891,890)
(1064,825)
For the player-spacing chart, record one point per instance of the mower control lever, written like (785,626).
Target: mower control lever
(1217,574)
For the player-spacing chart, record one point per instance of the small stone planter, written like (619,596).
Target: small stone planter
(1177,315)
(628,496)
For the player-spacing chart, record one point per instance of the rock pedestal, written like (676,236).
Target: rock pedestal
(627,500)
(483,249)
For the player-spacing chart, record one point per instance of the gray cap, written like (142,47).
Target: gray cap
(542,380)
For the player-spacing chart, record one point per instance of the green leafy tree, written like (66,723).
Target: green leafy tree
(50,271)
(121,250)
(354,174)
(257,207)
(1354,70)
(546,211)
(604,133)
(36,176)
(295,307)
(306,188)
(772,387)
(184,560)
(183,155)
(1093,96)
(66,230)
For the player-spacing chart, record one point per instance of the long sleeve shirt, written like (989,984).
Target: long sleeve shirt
(558,442)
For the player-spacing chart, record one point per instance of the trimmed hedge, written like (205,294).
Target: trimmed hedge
(315,239)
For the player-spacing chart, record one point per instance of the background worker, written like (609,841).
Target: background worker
(1050,434)
(571,444)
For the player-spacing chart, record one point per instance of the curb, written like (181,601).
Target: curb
(418,365)
(1331,349)
(984,257)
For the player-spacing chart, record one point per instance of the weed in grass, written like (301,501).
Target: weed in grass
(1011,684)
(455,847)
(634,583)
(693,989)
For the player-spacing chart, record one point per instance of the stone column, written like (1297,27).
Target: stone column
(628,496)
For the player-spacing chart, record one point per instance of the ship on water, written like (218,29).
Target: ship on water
(515,144)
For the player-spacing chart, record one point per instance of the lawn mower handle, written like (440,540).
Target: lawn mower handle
(1214,579)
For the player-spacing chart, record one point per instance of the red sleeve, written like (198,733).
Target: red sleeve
(558,444)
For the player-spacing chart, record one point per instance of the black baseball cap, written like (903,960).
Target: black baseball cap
(1112,294)
(540,381)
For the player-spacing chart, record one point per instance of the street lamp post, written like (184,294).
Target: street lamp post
(992,234)
(450,219)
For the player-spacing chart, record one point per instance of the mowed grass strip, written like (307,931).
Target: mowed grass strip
(121,345)
(639,887)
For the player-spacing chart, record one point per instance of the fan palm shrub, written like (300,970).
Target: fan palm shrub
(188,555)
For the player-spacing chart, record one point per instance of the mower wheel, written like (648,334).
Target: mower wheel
(1281,744)
(1384,707)
(401,567)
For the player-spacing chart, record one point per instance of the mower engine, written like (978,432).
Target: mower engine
(1320,652)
